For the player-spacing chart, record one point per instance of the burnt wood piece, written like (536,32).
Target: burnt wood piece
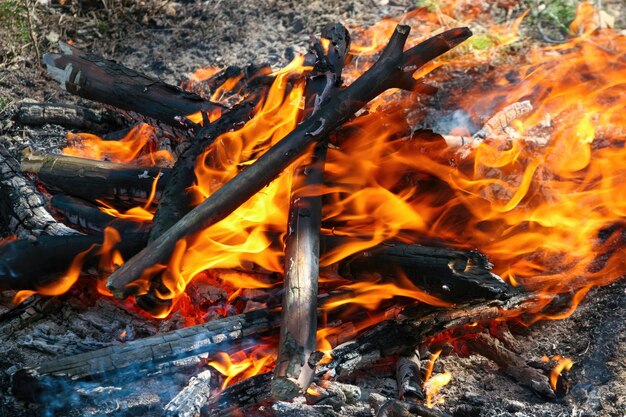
(89,218)
(28,264)
(240,396)
(135,95)
(96,180)
(453,275)
(395,408)
(189,401)
(512,364)
(22,208)
(69,116)
(401,336)
(409,377)
(294,369)
(138,357)
(393,69)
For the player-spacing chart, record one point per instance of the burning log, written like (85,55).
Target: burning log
(392,70)
(133,94)
(70,116)
(53,255)
(22,206)
(512,364)
(88,217)
(142,356)
(452,275)
(294,371)
(240,396)
(95,180)
(190,400)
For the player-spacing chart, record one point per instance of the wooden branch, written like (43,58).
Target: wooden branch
(452,275)
(393,69)
(89,218)
(294,371)
(135,95)
(189,401)
(177,199)
(21,206)
(512,364)
(95,180)
(69,116)
(138,357)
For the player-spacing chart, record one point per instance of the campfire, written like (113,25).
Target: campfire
(393,196)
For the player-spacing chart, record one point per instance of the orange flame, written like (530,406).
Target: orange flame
(138,213)
(433,385)
(125,150)
(241,365)
(562,364)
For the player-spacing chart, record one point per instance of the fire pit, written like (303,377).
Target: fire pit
(402,220)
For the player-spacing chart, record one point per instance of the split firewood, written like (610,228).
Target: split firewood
(512,364)
(393,69)
(96,180)
(69,116)
(409,378)
(189,401)
(294,371)
(137,96)
(497,127)
(21,205)
(90,218)
(138,357)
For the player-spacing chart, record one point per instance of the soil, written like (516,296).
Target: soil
(170,40)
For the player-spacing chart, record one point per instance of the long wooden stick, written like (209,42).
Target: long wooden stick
(294,372)
(136,95)
(393,69)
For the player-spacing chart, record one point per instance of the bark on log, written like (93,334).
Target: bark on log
(294,371)
(96,180)
(189,401)
(142,356)
(512,364)
(69,116)
(394,69)
(129,92)
(21,206)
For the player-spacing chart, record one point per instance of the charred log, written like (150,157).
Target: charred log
(96,180)
(294,370)
(240,396)
(135,95)
(53,255)
(21,206)
(142,356)
(69,116)
(89,218)
(409,378)
(452,275)
(512,364)
(393,70)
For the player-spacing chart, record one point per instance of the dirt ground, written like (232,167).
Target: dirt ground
(170,40)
